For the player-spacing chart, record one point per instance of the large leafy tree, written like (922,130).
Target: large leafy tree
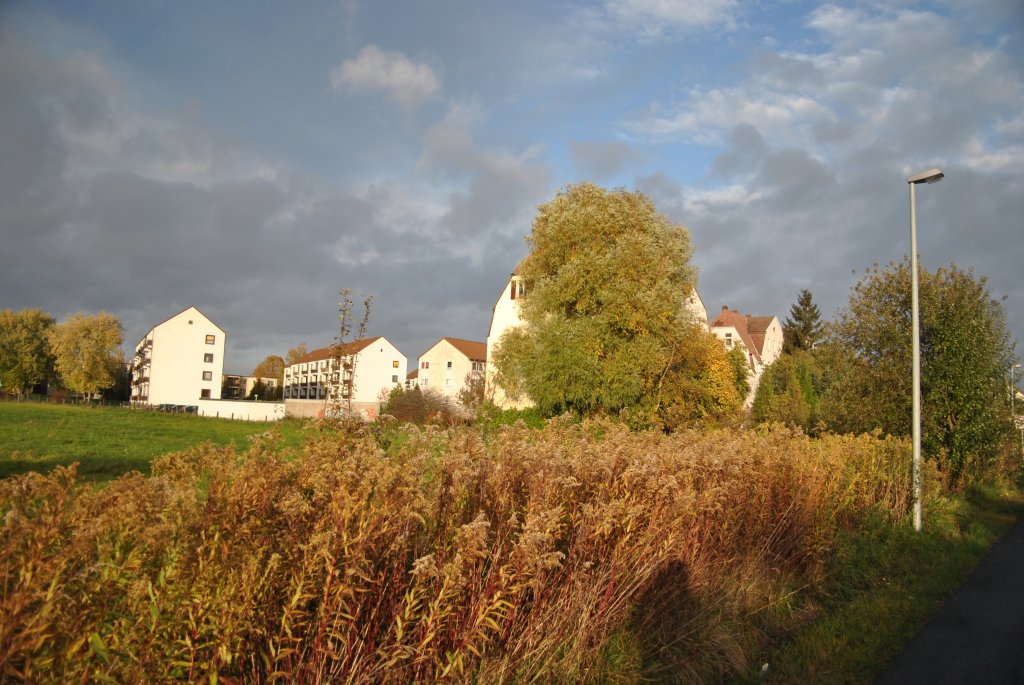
(803,329)
(605,322)
(24,355)
(86,351)
(965,354)
(272,366)
(789,391)
(295,354)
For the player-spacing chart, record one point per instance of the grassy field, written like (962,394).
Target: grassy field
(110,441)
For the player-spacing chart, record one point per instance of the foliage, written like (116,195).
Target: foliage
(803,329)
(606,326)
(789,391)
(471,395)
(272,366)
(740,366)
(577,553)
(419,405)
(295,354)
(87,351)
(262,391)
(965,354)
(25,357)
(108,442)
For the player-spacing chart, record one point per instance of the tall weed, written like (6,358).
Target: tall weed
(577,553)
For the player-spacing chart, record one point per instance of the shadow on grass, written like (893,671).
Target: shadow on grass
(89,469)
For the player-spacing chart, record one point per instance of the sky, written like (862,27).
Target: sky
(253,159)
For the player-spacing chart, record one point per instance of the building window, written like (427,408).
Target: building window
(394,379)
(447,382)
(424,365)
(449,365)
(208,358)
(394,364)
(207,375)
(205,394)
(478,366)
(211,339)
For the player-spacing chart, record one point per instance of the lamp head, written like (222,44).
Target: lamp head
(930,176)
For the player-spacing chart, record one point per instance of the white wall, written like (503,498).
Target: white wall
(240,410)
(177,366)
(376,370)
(504,317)
(448,381)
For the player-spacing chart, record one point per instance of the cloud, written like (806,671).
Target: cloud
(654,17)
(601,159)
(391,73)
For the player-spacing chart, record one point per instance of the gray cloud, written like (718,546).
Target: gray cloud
(601,159)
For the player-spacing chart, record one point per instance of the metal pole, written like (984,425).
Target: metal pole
(916,343)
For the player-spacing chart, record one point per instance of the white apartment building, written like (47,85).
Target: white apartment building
(179,361)
(447,364)
(314,381)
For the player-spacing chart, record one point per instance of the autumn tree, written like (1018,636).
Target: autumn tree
(295,354)
(965,352)
(272,366)
(803,329)
(606,327)
(86,351)
(25,357)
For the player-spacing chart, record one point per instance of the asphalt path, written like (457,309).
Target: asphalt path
(977,637)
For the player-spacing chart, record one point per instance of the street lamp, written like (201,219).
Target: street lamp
(930,176)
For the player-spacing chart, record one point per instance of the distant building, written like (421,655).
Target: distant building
(239,387)
(760,337)
(316,380)
(447,364)
(179,361)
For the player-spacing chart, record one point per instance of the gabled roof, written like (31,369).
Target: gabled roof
(176,316)
(412,375)
(472,350)
(754,341)
(322,353)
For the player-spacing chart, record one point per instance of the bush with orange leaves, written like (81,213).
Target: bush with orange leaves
(581,553)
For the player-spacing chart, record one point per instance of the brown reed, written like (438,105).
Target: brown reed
(577,553)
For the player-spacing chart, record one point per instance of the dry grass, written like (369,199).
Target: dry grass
(580,553)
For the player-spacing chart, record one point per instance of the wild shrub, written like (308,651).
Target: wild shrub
(581,552)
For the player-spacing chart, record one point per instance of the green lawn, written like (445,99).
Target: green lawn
(110,441)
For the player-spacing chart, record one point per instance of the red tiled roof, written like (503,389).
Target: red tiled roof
(328,352)
(415,373)
(741,322)
(475,351)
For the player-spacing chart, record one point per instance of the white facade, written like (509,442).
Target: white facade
(504,316)
(179,361)
(446,365)
(379,367)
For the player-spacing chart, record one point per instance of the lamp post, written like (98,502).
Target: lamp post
(930,176)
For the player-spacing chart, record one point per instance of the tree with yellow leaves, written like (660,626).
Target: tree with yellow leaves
(606,327)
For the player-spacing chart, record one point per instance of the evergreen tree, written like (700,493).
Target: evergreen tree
(803,329)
